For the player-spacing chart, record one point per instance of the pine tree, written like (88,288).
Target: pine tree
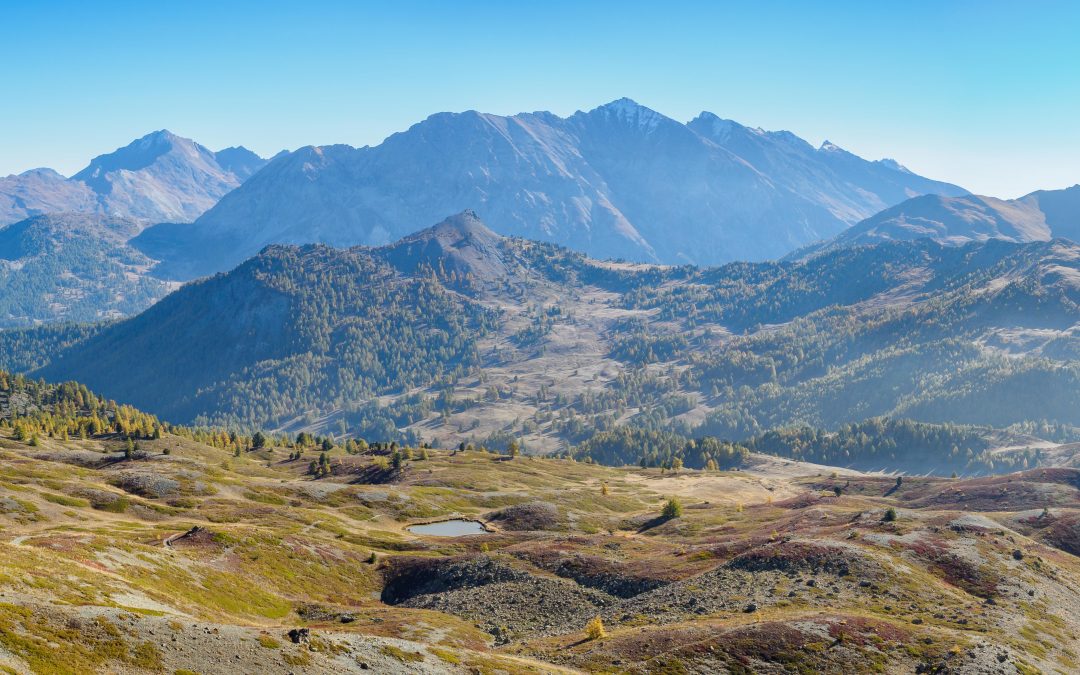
(672,509)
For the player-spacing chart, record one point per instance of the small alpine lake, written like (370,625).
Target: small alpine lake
(449,528)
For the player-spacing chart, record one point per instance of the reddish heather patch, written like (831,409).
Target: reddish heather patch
(196,539)
(954,569)
(1062,475)
(992,496)
(863,631)
(875,486)
(94,564)
(1064,533)
(771,642)
(58,542)
(800,501)
(725,550)
(649,642)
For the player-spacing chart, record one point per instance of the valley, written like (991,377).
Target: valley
(457,333)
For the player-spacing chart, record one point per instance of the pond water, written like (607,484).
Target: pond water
(449,528)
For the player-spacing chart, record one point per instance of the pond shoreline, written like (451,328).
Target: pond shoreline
(484,527)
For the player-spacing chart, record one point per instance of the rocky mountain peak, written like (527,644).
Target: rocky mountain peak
(461,243)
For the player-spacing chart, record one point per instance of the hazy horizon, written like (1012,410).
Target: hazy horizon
(977,94)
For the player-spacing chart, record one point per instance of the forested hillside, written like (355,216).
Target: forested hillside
(904,445)
(73,267)
(878,444)
(458,332)
(291,330)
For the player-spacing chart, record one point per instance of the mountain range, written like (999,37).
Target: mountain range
(1039,216)
(458,331)
(157,178)
(619,181)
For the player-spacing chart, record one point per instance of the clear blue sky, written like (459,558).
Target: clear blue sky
(984,94)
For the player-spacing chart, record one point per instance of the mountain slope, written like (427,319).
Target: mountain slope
(41,191)
(73,267)
(457,330)
(848,186)
(159,177)
(340,325)
(618,181)
(1039,216)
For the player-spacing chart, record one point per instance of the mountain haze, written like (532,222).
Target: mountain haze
(1039,216)
(73,267)
(848,186)
(619,181)
(159,177)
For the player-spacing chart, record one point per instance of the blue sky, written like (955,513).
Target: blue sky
(983,94)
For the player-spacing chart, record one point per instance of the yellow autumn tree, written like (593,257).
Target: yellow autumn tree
(594,630)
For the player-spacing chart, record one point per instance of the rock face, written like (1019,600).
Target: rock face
(461,244)
(409,578)
(159,177)
(954,221)
(618,181)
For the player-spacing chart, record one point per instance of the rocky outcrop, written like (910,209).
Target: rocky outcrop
(407,578)
(531,516)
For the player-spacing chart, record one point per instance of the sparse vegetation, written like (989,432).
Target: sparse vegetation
(269,642)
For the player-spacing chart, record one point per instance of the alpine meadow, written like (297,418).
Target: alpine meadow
(600,387)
